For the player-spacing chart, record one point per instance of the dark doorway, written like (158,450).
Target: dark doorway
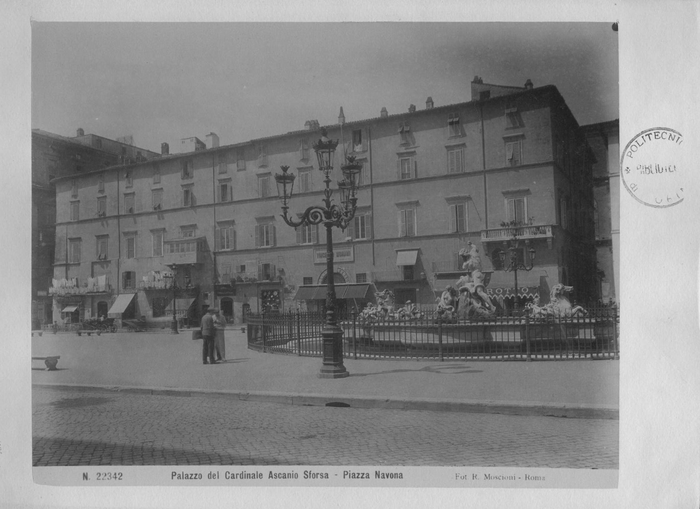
(227,309)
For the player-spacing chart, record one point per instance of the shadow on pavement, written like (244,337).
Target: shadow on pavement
(456,369)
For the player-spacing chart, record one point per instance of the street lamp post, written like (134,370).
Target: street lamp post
(330,215)
(514,264)
(173,284)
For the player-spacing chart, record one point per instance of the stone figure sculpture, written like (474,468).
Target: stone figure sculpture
(559,305)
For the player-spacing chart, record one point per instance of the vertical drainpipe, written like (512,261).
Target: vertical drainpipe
(483,163)
(119,233)
(371,191)
(213,184)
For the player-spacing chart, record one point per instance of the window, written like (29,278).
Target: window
(454,128)
(264,235)
(157,198)
(263,186)
(156,175)
(221,162)
(188,231)
(102,206)
(307,234)
(74,210)
(240,161)
(74,247)
(159,306)
(458,218)
(408,273)
(130,244)
(406,168)
(157,242)
(226,237)
(308,281)
(407,223)
(405,134)
(129,203)
(304,181)
(455,160)
(74,188)
(262,155)
(187,197)
(102,245)
(128,280)
(361,277)
(304,150)
(101,183)
(357,141)
(517,209)
(513,118)
(128,179)
(514,153)
(266,271)
(360,227)
(225,192)
(187,169)
(363,177)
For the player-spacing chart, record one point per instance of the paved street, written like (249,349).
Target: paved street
(72,427)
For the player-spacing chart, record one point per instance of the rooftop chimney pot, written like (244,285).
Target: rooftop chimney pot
(412,108)
(528,84)
(80,132)
(164,149)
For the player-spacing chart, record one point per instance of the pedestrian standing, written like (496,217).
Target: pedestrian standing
(208,332)
(219,339)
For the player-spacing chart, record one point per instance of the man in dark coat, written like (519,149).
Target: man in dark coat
(208,333)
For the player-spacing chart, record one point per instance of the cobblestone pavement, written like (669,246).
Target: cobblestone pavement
(72,427)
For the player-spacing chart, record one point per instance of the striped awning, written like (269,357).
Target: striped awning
(120,304)
(525,291)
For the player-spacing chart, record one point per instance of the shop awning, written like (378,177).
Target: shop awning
(305,293)
(182,306)
(121,304)
(524,291)
(342,291)
(406,257)
(356,291)
(69,309)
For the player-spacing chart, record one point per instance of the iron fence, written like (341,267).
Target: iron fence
(513,336)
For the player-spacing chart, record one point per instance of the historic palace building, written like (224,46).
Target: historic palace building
(434,178)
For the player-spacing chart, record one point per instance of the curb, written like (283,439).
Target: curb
(478,407)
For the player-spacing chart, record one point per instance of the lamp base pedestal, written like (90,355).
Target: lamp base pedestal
(333,354)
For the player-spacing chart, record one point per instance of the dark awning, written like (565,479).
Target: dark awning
(182,306)
(356,291)
(305,293)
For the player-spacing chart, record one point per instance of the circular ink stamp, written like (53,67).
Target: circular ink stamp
(651,167)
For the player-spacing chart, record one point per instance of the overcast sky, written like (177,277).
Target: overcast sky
(167,81)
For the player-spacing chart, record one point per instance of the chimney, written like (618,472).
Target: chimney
(212,140)
(429,103)
(164,149)
(384,113)
(80,132)
(528,84)
(412,108)
(478,80)
(341,117)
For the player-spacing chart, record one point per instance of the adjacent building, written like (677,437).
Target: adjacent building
(433,179)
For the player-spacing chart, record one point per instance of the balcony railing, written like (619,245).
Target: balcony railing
(80,290)
(523,232)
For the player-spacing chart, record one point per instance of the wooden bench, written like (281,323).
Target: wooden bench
(51,361)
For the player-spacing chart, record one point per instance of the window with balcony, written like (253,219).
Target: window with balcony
(454,127)
(307,234)
(407,222)
(455,160)
(305,180)
(130,246)
(187,168)
(74,249)
(129,280)
(157,199)
(458,218)
(74,210)
(225,237)
(102,244)
(101,206)
(516,209)
(360,228)
(263,186)
(264,235)
(514,153)
(157,242)
(129,203)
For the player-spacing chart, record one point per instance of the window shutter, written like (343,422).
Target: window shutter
(217,239)
(351,227)
(410,222)
(260,272)
(398,169)
(453,218)
(314,234)
(415,169)
(402,223)
(511,210)
(299,230)
(368,226)
(509,151)
(272,235)
(258,235)
(273,272)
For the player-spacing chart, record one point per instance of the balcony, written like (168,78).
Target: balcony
(184,251)
(63,291)
(523,232)
(397,275)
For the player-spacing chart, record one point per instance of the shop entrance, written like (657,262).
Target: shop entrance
(227,309)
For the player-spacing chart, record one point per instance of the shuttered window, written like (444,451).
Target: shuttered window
(458,218)
(225,238)
(265,235)
(407,223)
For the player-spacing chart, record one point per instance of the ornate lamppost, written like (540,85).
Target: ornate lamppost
(173,285)
(330,215)
(514,263)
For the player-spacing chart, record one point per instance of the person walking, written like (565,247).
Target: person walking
(219,339)
(208,332)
